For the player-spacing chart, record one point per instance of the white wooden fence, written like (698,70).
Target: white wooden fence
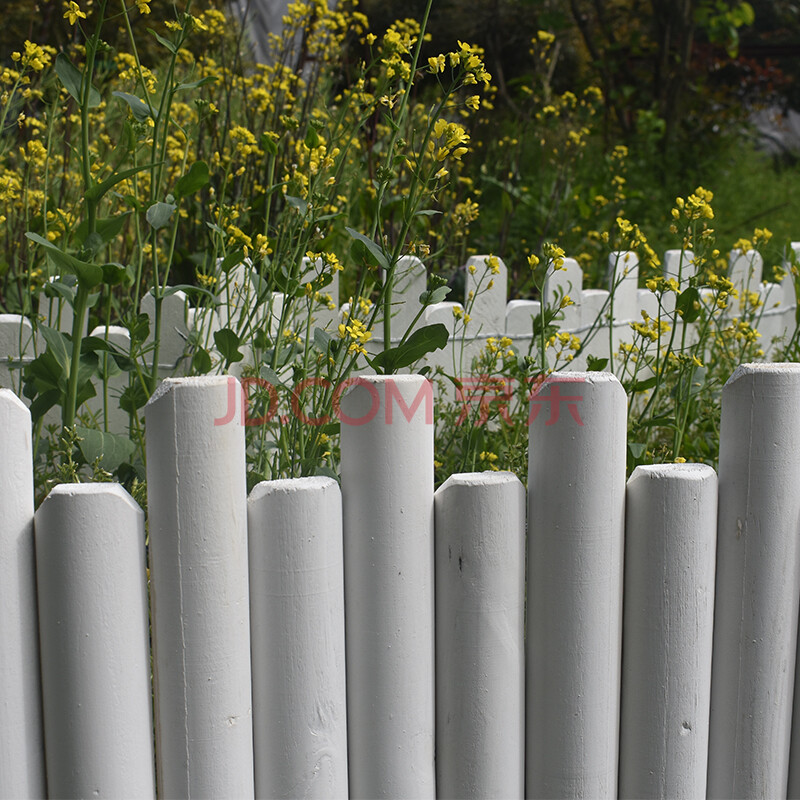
(602,325)
(383,640)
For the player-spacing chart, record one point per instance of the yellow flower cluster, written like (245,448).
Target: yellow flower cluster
(356,332)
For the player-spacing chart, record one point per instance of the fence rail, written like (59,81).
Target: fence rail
(374,640)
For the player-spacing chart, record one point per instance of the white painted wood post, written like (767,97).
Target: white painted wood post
(387,487)
(297,624)
(90,560)
(758,582)
(668,629)
(480,650)
(22,772)
(197,499)
(576,502)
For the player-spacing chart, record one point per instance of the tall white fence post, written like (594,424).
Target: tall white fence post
(22,771)
(758,582)
(387,487)
(668,630)
(480,650)
(95,656)
(297,625)
(197,499)
(576,502)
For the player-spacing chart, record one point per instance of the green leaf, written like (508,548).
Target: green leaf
(72,78)
(194,180)
(171,46)
(197,84)
(324,471)
(115,274)
(420,343)
(107,228)
(140,109)
(201,361)
(111,448)
(133,398)
(434,295)
(594,364)
(228,345)
(97,191)
(298,203)
(637,449)
(269,144)
(312,139)
(322,340)
(270,376)
(642,386)
(58,289)
(158,215)
(89,275)
(231,260)
(688,304)
(374,249)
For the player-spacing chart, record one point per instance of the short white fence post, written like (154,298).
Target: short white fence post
(668,630)
(758,582)
(387,488)
(197,499)
(297,630)
(576,503)
(22,771)
(480,647)
(90,561)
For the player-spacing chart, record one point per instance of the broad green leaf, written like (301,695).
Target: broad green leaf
(298,203)
(231,260)
(420,343)
(322,339)
(201,361)
(133,398)
(158,215)
(72,78)
(228,345)
(636,449)
(89,275)
(434,295)
(270,376)
(140,109)
(688,304)
(111,448)
(195,179)
(595,364)
(374,249)
(107,228)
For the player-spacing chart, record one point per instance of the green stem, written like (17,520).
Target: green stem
(81,302)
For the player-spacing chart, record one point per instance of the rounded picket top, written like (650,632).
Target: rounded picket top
(93,617)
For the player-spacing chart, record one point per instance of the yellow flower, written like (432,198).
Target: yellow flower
(143,6)
(73,12)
